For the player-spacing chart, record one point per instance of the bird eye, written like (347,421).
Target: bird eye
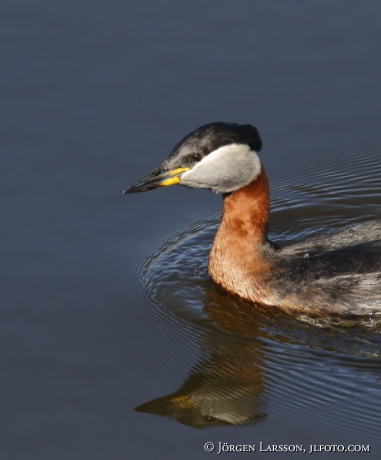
(196,157)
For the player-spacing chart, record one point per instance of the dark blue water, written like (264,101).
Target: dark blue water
(106,305)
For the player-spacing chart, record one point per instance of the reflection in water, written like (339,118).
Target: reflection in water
(241,357)
(225,387)
(251,358)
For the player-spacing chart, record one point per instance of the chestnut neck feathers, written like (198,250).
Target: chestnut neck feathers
(238,250)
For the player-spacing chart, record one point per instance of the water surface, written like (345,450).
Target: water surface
(106,304)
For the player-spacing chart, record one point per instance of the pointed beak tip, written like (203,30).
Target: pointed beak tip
(130,190)
(154,180)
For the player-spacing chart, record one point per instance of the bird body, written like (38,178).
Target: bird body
(337,274)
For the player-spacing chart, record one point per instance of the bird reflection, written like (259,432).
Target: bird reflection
(226,386)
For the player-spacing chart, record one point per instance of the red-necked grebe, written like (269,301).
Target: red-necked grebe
(337,274)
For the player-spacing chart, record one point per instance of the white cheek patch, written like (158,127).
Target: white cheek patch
(225,170)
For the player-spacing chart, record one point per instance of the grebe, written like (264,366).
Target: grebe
(337,274)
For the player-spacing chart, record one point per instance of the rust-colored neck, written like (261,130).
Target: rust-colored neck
(246,211)
(237,250)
